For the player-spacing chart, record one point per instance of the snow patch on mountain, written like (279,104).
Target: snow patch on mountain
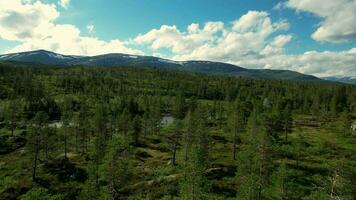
(169,61)
(130,56)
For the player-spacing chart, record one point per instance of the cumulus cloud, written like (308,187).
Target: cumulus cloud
(276,46)
(64,3)
(245,37)
(322,64)
(180,42)
(252,41)
(33,24)
(20,21)
(338,18)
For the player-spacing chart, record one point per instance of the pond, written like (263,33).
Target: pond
(59,124)
(55,124)
(167,120)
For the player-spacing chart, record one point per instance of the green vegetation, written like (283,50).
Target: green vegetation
(138,133)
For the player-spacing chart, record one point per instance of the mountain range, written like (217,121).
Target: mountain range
(126,60)
(342,79)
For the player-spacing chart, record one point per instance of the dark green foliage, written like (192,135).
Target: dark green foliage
(194,184)
(99,133)
(254,163)
(40,194)
(9,144)
(136,129)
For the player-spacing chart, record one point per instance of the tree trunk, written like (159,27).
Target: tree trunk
(174,154)
(76,139)
(34,167)
(234,146)
(12,123)
(65,147)
(333,183)
(46,150)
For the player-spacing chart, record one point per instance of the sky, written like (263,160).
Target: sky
(315,37)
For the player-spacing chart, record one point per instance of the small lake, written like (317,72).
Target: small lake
(167,120)
(59,124)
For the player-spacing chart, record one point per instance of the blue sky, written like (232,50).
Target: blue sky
(309,36)
(125,19)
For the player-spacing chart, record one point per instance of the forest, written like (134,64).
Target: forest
(136,133)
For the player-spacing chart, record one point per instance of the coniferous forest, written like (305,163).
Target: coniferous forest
(136,133)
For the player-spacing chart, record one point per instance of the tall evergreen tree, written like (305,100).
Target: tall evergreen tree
(35,144)
(194,181)
(254,162)
(136,129)
(236,124)
(287,122)
(346,123)
(174,137)
(179,106)
(117,168)
(67,117)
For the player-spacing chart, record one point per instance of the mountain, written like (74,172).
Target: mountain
(126,60)
(342,79)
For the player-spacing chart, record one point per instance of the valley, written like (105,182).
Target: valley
(142,133)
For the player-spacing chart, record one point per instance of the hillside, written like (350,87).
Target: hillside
(110,60)
(349,80)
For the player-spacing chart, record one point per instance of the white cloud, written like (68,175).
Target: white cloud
(246,36)
(20,21)
(252,41)
(64,3)
(281,40)
(180,42)
(276,46)
(33,24)
(90,28)
(338,18)
(70,42)
(321,64)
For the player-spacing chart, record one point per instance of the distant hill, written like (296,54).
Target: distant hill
(118,59)
(346,79)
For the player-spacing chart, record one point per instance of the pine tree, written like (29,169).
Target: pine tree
(174,137)
(254,164)
(91,189)
(179,106)
(67,117)
(236,124)
(101,137)
(287,121)
(84,127)
(124,122)
(280,180)
(136,129)
(116,169)
(13,114)
(35,144)
(346,122)
(194,185)
(189,134)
